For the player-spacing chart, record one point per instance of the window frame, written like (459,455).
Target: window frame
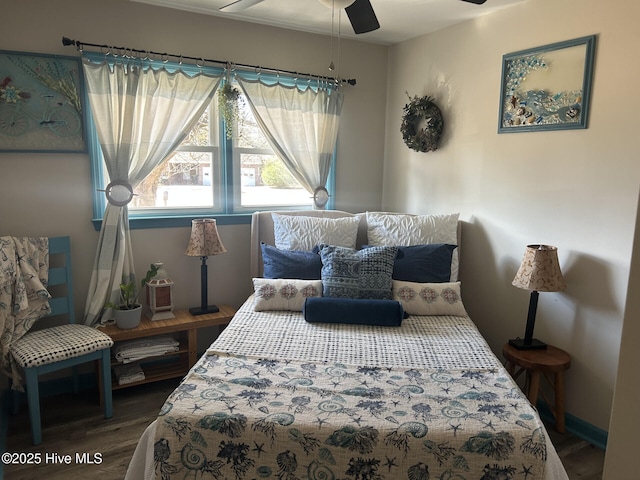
(231,212)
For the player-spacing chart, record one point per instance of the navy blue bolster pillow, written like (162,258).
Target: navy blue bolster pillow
(385,313)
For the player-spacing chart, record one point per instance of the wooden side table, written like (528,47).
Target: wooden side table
(549,362)
(185,326)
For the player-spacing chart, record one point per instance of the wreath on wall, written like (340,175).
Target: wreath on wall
(422,124)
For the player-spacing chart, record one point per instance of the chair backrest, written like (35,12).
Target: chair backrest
(60,284)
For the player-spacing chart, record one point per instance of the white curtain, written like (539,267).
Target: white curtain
(300,125)
(141,116)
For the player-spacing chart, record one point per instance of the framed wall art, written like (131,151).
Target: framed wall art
(41,103)
(548,87)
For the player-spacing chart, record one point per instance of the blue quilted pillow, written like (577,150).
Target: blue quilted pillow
(348,273)
(430,263)
(424,263)
(292,264)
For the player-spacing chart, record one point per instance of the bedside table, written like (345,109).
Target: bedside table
(185,327)
(551,362)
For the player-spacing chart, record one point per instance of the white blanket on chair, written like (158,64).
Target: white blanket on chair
(24,273)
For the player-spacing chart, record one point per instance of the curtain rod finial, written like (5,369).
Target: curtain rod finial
(66,41)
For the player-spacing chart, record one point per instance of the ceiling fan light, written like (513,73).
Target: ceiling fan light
(336,3)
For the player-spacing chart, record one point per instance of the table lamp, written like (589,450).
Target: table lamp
(204,241)
(539,272)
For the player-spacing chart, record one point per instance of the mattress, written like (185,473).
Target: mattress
(277,397)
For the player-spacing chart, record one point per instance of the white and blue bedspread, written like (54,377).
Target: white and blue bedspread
(278,398)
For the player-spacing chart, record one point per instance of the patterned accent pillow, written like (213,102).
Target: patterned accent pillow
(283,293)
(348,273)
(405,230)
(429,298)
(290,263)
(298,232)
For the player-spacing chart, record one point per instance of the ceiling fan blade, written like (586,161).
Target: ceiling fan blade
(238,5)
(477,2)
(362,17)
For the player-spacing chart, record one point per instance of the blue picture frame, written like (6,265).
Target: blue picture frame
(547,88)
(41,103)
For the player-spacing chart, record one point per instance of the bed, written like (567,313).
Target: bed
(295,389)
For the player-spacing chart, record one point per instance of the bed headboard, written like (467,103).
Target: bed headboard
(262,231)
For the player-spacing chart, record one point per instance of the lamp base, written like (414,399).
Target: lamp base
(202,311)
(520,344)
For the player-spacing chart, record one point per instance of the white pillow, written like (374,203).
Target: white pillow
(298,232)
(429,298)
(283,293)
(395,229)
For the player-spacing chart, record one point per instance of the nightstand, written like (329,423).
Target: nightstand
(551,363)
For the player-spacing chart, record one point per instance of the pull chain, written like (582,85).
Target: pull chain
(333,10)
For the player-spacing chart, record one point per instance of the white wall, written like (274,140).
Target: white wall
(50,194)
(575,189)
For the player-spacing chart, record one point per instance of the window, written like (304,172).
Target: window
(263,180)
(209,174)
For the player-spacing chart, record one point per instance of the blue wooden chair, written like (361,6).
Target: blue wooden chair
(45,350)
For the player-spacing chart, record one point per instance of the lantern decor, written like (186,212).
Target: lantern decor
(160,295)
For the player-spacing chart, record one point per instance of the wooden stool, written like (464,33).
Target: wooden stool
(551,361)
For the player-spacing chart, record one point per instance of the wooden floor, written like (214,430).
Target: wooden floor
(75,425)
(581,460)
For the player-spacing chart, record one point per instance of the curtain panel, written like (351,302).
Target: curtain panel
(301,125)
(141,115)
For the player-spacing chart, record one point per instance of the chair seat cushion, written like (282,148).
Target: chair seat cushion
(49,345)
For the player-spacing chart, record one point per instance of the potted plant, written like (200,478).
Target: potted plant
(128,312)
(228,98)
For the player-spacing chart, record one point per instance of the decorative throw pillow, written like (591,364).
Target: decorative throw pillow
(290,263)
(406,230)
(423,263)
(355,311)
(429,298)
(349,273)
(283,293)
(298,232)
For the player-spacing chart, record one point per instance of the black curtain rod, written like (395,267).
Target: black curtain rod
(129,51)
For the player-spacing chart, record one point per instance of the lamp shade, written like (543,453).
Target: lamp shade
(540,270)
(204,240)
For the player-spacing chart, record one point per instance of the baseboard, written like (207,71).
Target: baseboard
(594,435)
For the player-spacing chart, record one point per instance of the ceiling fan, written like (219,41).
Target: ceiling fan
(360,12)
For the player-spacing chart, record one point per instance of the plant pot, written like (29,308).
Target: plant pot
(127,319)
